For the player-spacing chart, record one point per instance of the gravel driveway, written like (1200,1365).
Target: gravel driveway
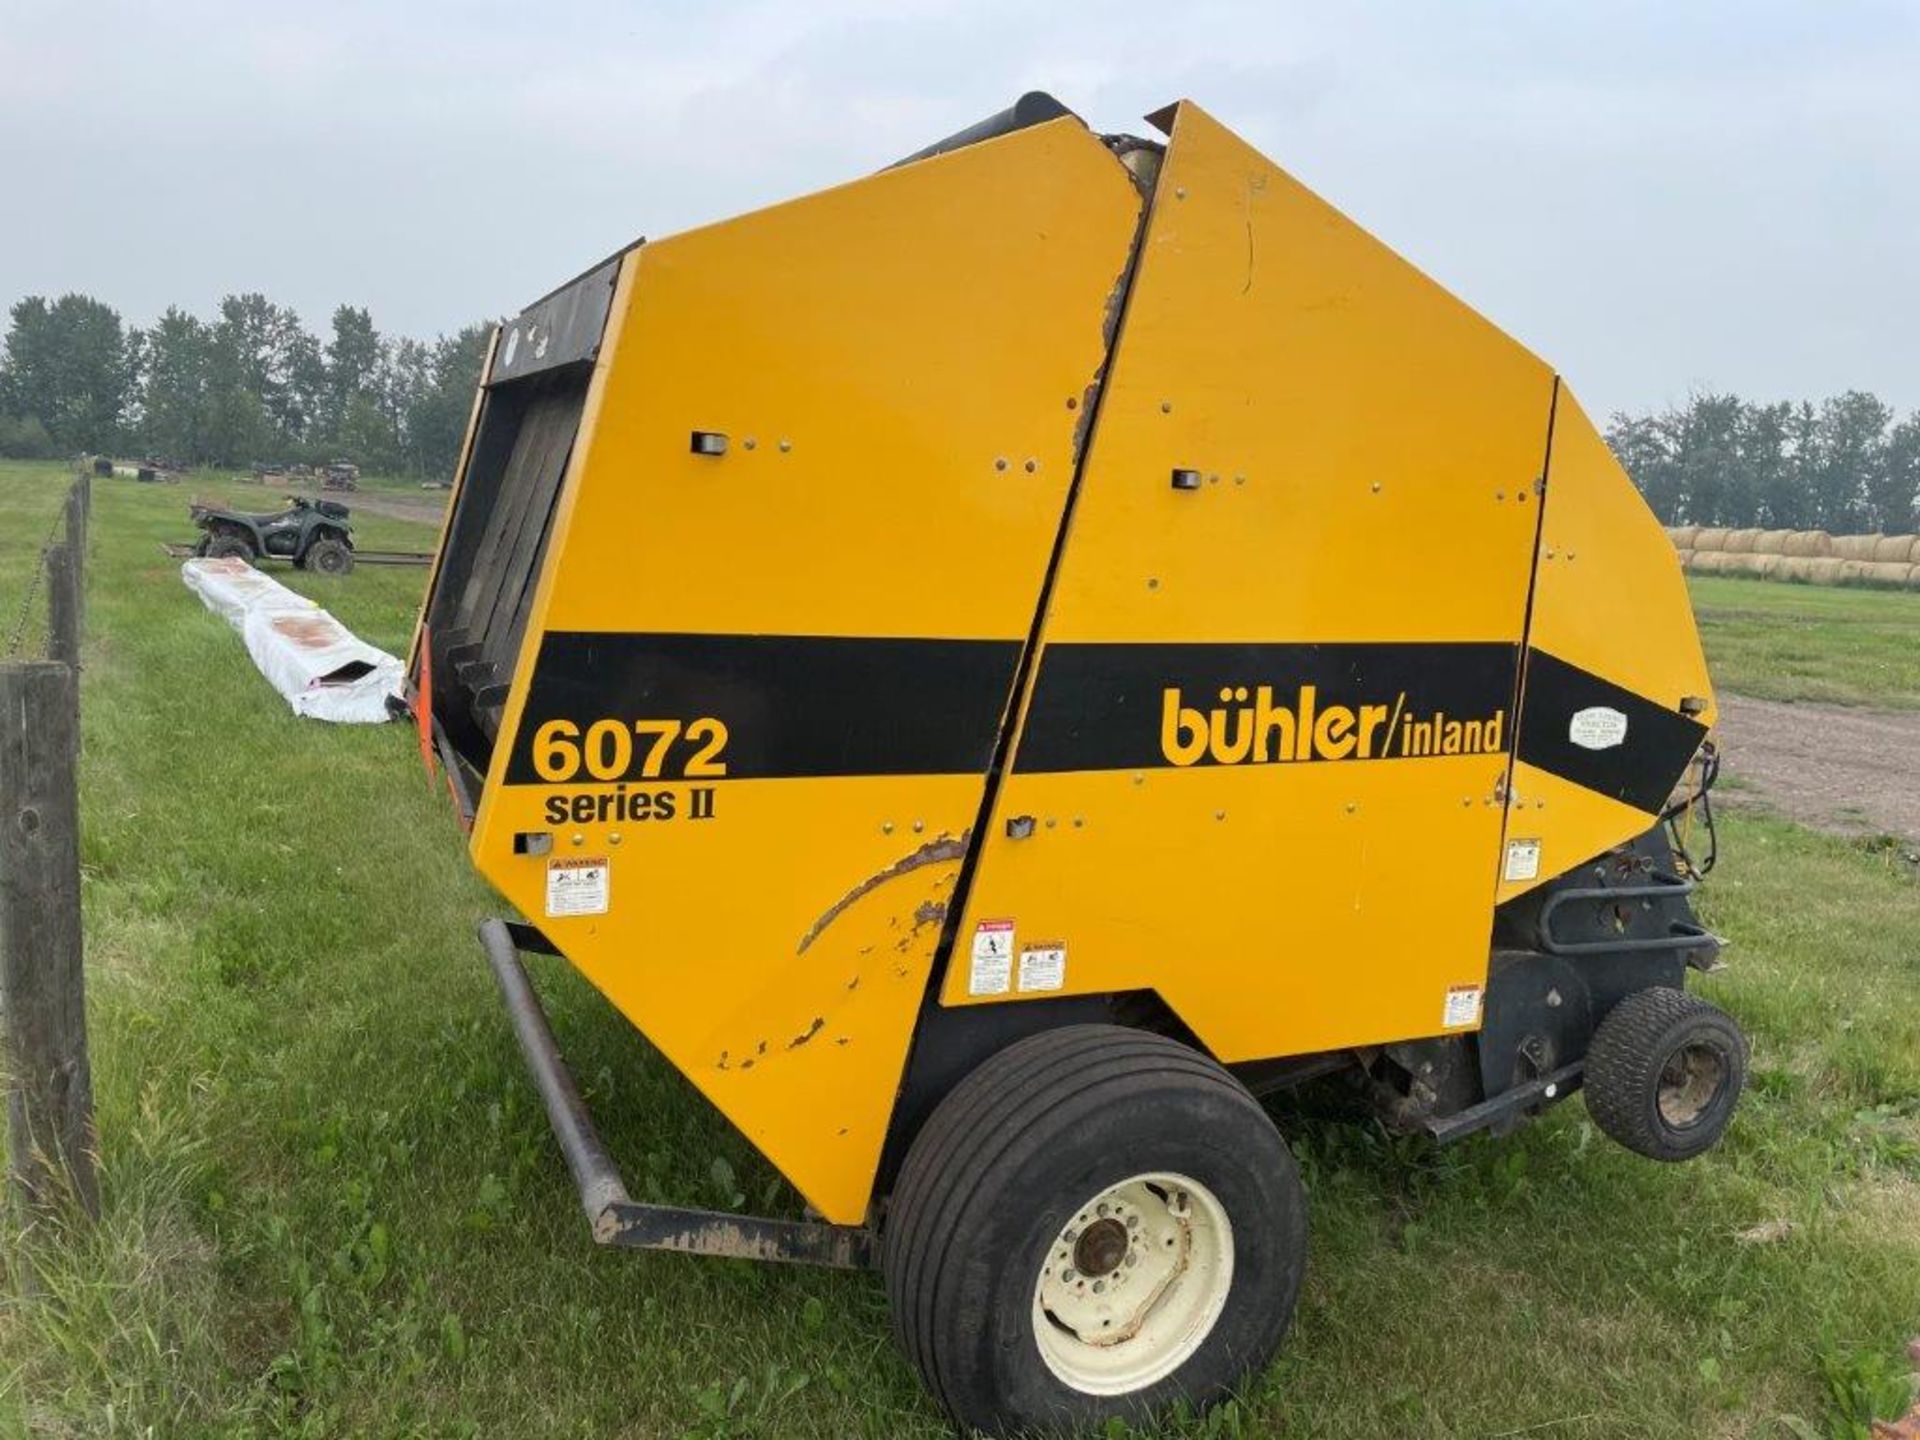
(1835,767)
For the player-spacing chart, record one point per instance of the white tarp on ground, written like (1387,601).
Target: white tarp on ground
(307,655)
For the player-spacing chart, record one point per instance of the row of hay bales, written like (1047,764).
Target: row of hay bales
(1811,557)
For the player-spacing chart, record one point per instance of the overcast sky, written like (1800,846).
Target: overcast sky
(1655,196)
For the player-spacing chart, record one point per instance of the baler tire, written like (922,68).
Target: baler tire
(1023,1150)
(1664,1072)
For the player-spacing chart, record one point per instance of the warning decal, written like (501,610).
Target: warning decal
(1523,861)
(1462,1007)
(990,970)
(1043,966)
(577,886)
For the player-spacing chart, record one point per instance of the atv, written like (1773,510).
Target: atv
(314,534)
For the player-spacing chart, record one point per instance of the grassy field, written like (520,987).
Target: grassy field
(1811,642)
(333,1207)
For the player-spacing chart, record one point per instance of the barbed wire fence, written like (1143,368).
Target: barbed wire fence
(50,1128)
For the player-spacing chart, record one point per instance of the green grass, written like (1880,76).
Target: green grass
(333,1207)
(1810,642)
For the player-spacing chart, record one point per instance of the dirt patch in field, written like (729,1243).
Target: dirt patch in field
(420,512)
(1835,767)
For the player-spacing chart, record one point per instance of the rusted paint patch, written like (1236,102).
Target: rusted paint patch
(819,1024)
(936,851)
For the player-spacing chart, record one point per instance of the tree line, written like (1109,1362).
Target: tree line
(252,385)
(1843,465)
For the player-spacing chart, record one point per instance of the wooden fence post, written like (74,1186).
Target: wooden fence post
(50,1092)
(78,501)
(63,604)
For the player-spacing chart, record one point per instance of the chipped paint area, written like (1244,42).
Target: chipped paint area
(937,851)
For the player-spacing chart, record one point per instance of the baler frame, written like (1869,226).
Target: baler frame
(613,1215)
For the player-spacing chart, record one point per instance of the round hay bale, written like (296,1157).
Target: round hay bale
(1711,562)
(1855,547)
(1824,569)
(1685,557)
(1796,568)
(1741,562)
(1767,567)
(1894,550)
(1682,535)
(1807,542)
(1740,542)
(1708,538)
(1888,574)
(1772,542)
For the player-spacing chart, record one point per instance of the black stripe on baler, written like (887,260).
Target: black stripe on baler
(1641,771)
(793,705)
(1097,706)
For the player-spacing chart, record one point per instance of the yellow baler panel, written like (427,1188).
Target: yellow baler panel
(899,366)
(1361,539)
(1610,613)
(1368,444)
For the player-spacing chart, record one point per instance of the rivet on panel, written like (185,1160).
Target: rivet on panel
(1051,822)
(1213,479)
(1073,402)
(1139,777)
(1219,814)
(1032,465)
(1375,487)
(1153,582)
(1499,494)
(1180,192)
(1000,462)
(786,445)
(614,838)
(1166,407)
(1078,821)
(750,443)
(886,827)
(918,826)
(578,838)
(1239,479)
(1352,806)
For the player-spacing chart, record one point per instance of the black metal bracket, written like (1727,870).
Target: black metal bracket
(1543,1091)
(615,1217)
(1685,936)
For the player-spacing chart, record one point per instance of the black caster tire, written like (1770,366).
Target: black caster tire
(1664,1073)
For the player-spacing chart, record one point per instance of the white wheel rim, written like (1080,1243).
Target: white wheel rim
(1133,1283)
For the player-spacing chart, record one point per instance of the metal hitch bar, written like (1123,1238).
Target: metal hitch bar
(1488,1113)
(617,1218)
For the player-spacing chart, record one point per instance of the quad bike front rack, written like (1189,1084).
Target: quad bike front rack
(615,1216)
